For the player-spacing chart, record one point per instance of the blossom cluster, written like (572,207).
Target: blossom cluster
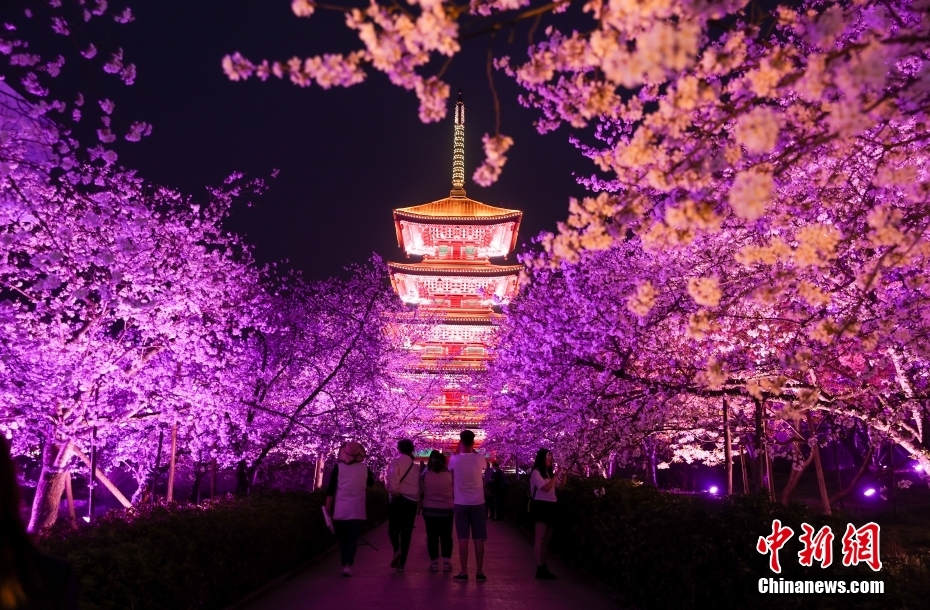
(129,314)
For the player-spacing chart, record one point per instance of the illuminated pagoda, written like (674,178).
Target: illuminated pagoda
(456,288)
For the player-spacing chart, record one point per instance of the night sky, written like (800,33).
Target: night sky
(346,156)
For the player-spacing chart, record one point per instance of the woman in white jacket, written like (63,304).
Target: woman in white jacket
(345,500)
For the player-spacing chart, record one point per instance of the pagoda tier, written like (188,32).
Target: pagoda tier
(450,346)
(454,334)
(456,228)
(453,408)
(455,285)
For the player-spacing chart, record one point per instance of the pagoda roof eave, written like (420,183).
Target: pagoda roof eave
(468,220)
(454,269)
(453,317)
(457,209)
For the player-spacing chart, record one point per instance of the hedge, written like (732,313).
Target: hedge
(196,556)
(662,550)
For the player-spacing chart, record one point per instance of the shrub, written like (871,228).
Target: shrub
(661,550)
(196,556)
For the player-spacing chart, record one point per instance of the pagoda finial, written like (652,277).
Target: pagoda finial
(458,150)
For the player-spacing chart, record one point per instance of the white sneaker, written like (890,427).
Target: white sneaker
(347,571)
(446,565)
(434,565)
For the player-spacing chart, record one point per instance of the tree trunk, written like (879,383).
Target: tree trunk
(649,461)
(855,480)
(759,441)
(148,478)
(72,514)
(818,467)
(821,483)
(212,479)
(143,492)
(171,465)
(50,487)
(320,475)
(199,472)
(156,472)
(316,474)
(769,478)
(728,446)
(743,469)
(242,478)
(110,485)
(794,479)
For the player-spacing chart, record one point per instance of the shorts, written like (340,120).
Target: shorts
(473,518)
(543,512)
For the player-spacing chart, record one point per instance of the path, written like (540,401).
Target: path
(508,564)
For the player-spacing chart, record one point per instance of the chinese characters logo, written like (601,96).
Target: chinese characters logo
(859,545)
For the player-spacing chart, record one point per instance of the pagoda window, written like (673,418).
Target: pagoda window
(444,251)
(470,252)
(433,350)
(474,351)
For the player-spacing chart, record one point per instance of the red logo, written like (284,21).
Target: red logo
(772,543)
(859,545)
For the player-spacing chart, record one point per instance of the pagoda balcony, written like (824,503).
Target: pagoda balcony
(423,337)
(448,365)
(457,242)
(469,288)
(425,315)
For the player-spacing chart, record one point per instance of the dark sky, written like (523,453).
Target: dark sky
(347,156)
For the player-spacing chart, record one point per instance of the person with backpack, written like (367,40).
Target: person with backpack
(404,490)
(542,509)
(345,500)
(436,499)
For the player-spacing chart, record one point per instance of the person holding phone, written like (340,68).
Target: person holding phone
(543,509)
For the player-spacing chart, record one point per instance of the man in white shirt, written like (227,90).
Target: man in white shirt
(471,516)
(404,486)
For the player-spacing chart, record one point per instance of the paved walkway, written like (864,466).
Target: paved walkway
(508,564)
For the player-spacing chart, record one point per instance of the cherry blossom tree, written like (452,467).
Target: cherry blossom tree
(99,291)
(765,168)
(128,312)
(324,367)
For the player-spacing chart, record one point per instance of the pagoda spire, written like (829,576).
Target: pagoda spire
(458,150)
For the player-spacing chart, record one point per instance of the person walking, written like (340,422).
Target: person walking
(345,500)
(471,515)
(404,488)
(436,498)
(542,509)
